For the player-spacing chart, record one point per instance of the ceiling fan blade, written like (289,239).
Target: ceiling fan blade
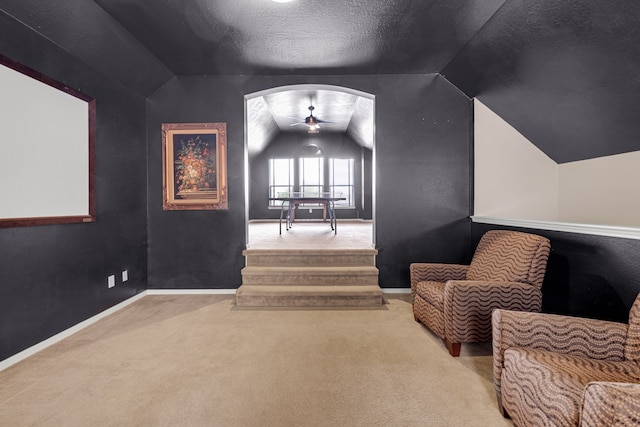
(311,121)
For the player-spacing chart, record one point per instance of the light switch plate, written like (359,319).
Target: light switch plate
(125,275)
(111,281)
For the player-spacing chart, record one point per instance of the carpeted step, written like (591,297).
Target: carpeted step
(310,257)
(309,277)
(308,296)
(295,276)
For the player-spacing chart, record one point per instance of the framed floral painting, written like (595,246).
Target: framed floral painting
(194,171)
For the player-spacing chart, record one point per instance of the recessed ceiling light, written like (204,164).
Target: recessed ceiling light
(282,1)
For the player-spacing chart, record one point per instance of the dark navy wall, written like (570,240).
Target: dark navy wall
(423,175)
(52,277)
(422,171)
(589,276)
(289,145)
(196,249)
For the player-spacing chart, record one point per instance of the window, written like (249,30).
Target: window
(313,176)
(281,176)
(341,176)
(311,173)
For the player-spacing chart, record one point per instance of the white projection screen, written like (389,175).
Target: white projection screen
(47,150)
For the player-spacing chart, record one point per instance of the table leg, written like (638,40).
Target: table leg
(290,214)
(332,217)
(281,212)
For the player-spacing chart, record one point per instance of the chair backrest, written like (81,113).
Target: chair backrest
(510,256)
(632,346)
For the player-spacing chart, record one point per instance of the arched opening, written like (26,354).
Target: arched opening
(303,136)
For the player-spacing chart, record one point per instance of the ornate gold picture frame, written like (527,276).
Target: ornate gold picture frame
(194,171)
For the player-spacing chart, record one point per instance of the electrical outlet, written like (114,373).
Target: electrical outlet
(111,281)
(125,275)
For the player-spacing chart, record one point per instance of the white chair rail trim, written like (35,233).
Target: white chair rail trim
(568,227)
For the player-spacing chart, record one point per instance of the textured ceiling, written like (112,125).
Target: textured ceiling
(563,73)
(231,37)
(285,111)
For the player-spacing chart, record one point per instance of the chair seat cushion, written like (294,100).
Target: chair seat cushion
(537,379)
(432,292)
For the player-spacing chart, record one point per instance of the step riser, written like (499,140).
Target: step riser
(310,258)
(309,279)
(310,261)
(308,301)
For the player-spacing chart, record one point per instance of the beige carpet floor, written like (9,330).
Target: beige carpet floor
(351,234)
(198,360)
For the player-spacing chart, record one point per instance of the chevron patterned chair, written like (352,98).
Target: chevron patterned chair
(455,301)
(553,370)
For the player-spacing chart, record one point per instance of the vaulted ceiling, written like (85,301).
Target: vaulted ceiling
(563,73)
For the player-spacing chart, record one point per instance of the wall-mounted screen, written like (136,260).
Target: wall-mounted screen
(47,150)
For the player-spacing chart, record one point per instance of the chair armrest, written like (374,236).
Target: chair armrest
(434,272)
(468,305)
(610,404)
(591,338)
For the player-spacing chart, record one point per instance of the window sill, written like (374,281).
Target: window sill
(568,227)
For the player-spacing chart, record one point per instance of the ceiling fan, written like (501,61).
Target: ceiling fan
(311,121)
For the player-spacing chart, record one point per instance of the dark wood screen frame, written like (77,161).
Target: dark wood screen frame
(47,220)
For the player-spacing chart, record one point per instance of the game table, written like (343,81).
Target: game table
(291,200)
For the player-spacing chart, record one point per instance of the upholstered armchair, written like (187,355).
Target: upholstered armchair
(455,301)
(553,370)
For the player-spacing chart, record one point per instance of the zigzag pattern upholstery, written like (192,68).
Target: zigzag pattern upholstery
(610,404)
(455,301)
(553,370)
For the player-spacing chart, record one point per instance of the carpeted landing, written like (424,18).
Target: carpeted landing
(199,360)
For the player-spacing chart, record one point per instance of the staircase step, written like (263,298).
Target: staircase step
(294,276)
(309,278)
(310,257)
(308,296)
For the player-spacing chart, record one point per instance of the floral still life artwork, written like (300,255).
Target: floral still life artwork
(194,171)
(195,164)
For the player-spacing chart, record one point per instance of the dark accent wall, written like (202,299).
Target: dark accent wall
(589,276)
(289,145)
(53,277)
(422,172)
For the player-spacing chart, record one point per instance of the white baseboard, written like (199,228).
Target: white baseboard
(4,364)
(191,291)
(396,290)
(233,291)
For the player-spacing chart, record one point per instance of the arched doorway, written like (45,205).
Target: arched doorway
(278,129)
